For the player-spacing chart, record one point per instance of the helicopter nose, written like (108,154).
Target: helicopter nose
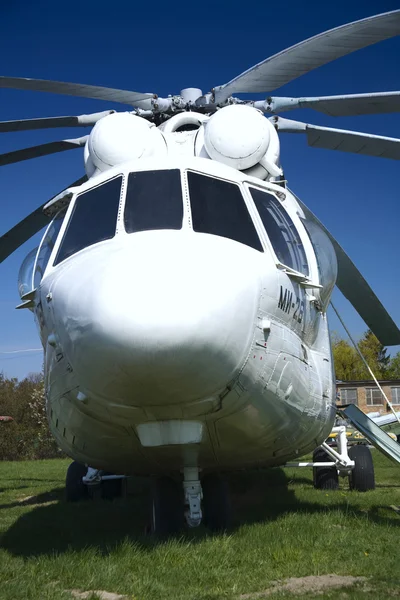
(161,318)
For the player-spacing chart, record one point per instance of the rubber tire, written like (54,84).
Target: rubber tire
(325,478)
(111,488)
(362,477)
(216,503)
(167,506)
(75,489)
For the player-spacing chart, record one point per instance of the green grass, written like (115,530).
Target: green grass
(283,528)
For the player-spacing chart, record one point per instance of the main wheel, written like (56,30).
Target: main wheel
(325,478)
(75,489)
(216,503)
(167,506)
(111,488)
(362,477)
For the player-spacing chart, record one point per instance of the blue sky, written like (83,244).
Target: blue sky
(163,47)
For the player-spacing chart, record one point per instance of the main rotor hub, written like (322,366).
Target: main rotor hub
(191,94)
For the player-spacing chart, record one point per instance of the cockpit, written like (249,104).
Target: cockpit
(173,199)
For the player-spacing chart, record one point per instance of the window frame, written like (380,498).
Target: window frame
(50,260)
(250,206)
(372,389)
(57,241)
(186,220)
(313,274)
(186,215)
(22,280)
(321,293)
(69,212)
(351,389)
(395,401)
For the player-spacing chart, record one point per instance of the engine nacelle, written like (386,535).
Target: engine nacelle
(120,137)
(238,136)
(241,137)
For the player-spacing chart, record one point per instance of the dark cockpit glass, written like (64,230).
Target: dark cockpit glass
(326,260)
(93,219)
(218,207)
(47,246)
(25,274)
(153,201)
(281,231)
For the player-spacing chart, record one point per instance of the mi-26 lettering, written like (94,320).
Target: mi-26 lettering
(288,302)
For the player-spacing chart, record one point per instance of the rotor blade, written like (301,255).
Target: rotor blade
(75,89)
(25,229)
(53,122)
(341,106)
(340,139)
(42,150)
(310,54)
(355,288)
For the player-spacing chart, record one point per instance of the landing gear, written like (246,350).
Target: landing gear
(75,489)
(84,482)
(362,477)
(193,496)
(170,503)
(325,478)
(111,488)
(216,503)
(167,506)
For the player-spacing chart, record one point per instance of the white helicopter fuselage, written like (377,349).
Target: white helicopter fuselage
(181,291)
(165,347)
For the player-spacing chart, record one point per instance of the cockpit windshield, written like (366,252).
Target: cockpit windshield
(326,260)
(25,275)
(281,230)
(218,207)
(153,201)
(47,245)
(93,219)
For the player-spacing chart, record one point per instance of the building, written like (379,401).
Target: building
(367,396)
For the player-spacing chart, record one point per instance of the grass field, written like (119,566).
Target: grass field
(283,529)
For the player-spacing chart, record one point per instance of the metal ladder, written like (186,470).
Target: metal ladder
(378,438)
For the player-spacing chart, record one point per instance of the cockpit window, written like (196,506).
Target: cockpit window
(47,246)
(281,231)
(93,219)
(326,260)
(153,201)
(218,207)
(25,275)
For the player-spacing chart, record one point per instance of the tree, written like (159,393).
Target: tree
(394,367)
(45,443)
(350,367)
(27,436)
(346,360)
(375,354)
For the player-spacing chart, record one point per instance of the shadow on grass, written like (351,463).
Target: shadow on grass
(53,526)
(56,495)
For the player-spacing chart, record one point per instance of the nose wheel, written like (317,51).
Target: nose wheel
(206,501)
(193,496)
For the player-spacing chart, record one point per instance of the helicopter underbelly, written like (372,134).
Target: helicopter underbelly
(272,413)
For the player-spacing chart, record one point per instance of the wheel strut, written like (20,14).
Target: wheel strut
(193,496)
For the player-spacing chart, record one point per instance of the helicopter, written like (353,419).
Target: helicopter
(181,288)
